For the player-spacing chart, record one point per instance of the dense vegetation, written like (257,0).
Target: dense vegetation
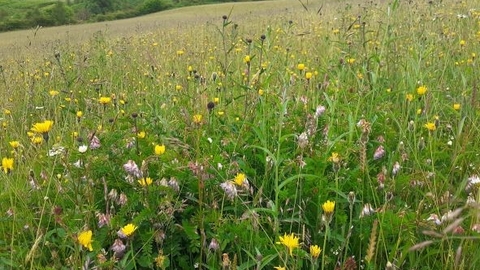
(335,136)
(22,14)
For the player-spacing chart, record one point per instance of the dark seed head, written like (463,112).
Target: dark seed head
(263,37)
(134,115)
(210,106)
(224,17)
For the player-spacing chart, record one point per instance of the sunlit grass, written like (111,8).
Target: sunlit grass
(291,137)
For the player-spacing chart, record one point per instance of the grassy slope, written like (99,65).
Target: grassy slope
(17,41)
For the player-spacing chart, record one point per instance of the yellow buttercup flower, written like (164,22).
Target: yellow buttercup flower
(159,149)
(301,67)
(308,75)
(246,59)
(43,127)
(141,134)
(456,106)
(85,239)
(7,165)
(290,241)
(315,251)
(128,229)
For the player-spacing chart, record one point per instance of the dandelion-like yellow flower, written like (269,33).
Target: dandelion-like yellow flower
(79,114)
(279,268)
(261,92)
(422,90)
(43,127)
(301,66)
(315,251)
(328,207)
(85,239)
(145,181)
(14,144)
(308,75)
(37,139)
(239,179)
(430,126)
(456,106)
(335,157)
(246,59)
(197,118)
(462,42)
(351,61)
(159,149)
(290,241)
(7,165)
(105,100)
(128,229)
(409,97)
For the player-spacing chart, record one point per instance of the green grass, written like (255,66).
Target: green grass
(311,104)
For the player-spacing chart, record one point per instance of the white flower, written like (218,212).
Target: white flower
(82,148)
(367,210)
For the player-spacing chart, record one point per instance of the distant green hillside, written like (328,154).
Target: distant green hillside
(24,14)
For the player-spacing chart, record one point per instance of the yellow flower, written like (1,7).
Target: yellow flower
(197,118)
(53,93)
(7,165)
(261,92)
(239,179)
(43,127)
(180,52)
(409,97)
(178,87)
(328,207)
(301,66)
(456,106)
(105,100)
(246,59)
(128,229)
(335,157)
(145,181)
(430,126)
(6,111)
(279,268)
(141,134)
(462,42)
(315,251)
(290,241)
(85,239)
(422,90)
(308,75)
(159,149)
(351,60)
(79,114)
(14,144)
(37,139)
(216,100)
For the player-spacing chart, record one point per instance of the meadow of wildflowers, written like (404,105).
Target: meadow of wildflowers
(325,135)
